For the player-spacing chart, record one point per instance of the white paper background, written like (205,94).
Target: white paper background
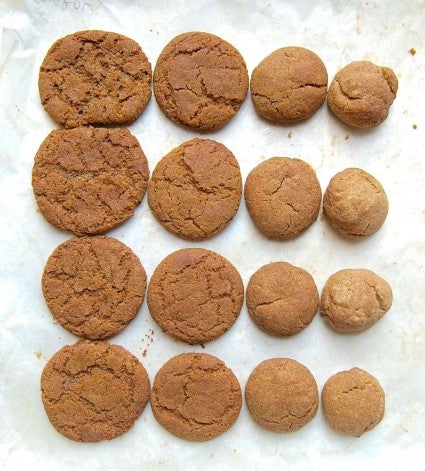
(393,350)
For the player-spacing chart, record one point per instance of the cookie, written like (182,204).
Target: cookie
(282,299)
(353,402)
(195,190)
(89,180)
(289,85)
(200,81)
(355,204)
(361,94)
(94,391)
(95,77)
(283,197)
(93,286)
(195,295)
(196,397)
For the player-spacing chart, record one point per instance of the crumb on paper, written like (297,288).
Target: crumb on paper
(334,141)
(145,351)
(347,136)
(202,345)
(414,126)
(38,355)
(358,29)
(412,51)
(290,134)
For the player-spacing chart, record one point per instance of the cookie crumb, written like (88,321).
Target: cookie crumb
(414,126)
(144,352)
(346,137)
(38,355)
(412,51)
(290,134)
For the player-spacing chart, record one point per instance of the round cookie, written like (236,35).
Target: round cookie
(353,402)
(282,299)
(95,77)
(200,81)
(355,203)
(195,295)
(289,85)
(361,94)
(89,180)
(283,197)
(93,286)
(195,396)
(195,190)
(281,395)
(94,391)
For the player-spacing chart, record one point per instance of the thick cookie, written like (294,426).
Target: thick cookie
(89,180)
(195,295)
(200,81)
(95,77)
(196,397)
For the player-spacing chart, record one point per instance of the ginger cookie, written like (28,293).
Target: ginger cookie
(195,295)
(195,396)
(200,81)
(195,190)
(289,85)
(283,197)
(282,299)
(95,77)
(89,180)
(94,286)
(353,402)
(94,391)
(361,94)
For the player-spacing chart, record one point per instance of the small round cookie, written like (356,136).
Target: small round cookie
(289,85)
(195,190)
(361,94)
(195,295)
(95,77)
(353,402)
(282,299)
(93,286)
(195,396)
(283,197)
(94,391)
(200,81)
(355,203)
(89,180)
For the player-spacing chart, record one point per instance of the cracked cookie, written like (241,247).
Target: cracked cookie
(361,94)
(94,391)
(95,77)
(93,286)
(289,85)
(195,295)
(200,81)
(353,402)
(89,180)
(195,396)
(195,190)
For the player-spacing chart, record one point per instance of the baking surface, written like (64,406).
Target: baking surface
(386,32)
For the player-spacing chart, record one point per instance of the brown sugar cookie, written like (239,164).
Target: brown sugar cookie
(195,190)
(355,203)
(353,402)
(361,94)
(94,391)
(93,286)
(95,77)
(195,295)
(282,299)
(283,197)
(289,85)
(196,397)
(89,180)
(200,81)
(281,395)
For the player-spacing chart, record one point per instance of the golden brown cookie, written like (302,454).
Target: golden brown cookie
(195,295)
(200,81)
(196,397)
(94,391)
(95,77)
(94,286)
(353,402)
(283,197)
(289,85)
(89,180)
(195,190)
